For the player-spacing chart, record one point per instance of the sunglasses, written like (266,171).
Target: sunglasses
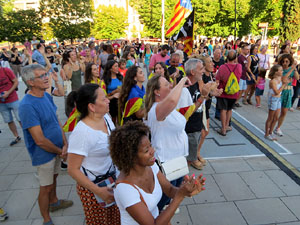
(43,76)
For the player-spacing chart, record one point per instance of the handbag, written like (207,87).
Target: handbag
(106,180)
(67,87)
(174,168)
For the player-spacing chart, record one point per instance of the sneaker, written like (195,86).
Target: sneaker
(258,106)
(63,166)
(60,204)
(3,215)
(15,141)
(237,104)
(271,138)
(291,109)
(278,132)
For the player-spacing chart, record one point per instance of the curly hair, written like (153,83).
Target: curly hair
(286,56)
(128,83)
(124,143)
(152,85)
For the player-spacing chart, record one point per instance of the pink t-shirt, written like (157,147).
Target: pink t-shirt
(158,58)
(223,75)
(6,82)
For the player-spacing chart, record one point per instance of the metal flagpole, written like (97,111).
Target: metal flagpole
(234,20)
(163,21)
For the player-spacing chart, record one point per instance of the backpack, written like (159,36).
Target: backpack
(232,85)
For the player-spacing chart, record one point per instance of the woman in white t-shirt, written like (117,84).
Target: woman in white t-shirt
(88,155)
(264,58)
(140,184)
(167,125)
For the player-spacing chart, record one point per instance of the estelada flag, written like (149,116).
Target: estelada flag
(182,10)
(186,33)
(134,103)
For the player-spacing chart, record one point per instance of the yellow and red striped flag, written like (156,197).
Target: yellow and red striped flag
(182,10)
(72,121)
(187,111)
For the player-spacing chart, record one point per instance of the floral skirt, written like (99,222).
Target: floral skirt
(94,213)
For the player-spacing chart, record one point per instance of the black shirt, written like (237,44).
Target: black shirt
(207,79)
(218,64)
(194,123)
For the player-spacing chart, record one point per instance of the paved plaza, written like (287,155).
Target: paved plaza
(243,185)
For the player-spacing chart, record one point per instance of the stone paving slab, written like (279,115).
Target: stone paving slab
(261,163)
(261,185)
(294,159)
(183,218)
(216,214)
(293,203)
(265,211)
(233,187)
(230,165)
(284,182)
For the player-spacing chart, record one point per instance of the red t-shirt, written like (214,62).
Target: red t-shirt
(123,72)
(223,75)
(6,82)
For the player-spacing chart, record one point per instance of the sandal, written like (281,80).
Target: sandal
(228,129)
(245,102)
(15,141)
(249,101)
(202,160)
(220,132)
(197,165)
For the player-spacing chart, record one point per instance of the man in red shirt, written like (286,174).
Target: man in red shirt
(225,102)
(9,100)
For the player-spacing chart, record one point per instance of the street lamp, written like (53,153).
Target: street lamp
(234,20)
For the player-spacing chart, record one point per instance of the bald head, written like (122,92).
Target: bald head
(231,55)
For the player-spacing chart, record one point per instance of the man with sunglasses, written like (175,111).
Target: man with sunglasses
(44,138)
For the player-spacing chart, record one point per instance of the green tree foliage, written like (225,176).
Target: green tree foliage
(110,22)
(151,15)
(47,32)
(290,29)
(69,19)
(16,26)
(215,17)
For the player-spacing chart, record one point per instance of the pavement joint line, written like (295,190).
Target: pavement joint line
(275,157)
(259,130)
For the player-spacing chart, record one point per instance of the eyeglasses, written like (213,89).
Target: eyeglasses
(43,76)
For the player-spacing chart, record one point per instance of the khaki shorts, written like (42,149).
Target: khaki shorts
(46,171)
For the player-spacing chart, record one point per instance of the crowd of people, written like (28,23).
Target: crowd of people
(122,133)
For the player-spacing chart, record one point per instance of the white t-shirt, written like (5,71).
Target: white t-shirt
(168,137)
(126,196)
(263,60)
(34,43)
(185,99)
(93,145)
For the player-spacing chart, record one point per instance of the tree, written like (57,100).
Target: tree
(16,26)
(290,23)
(110,22)
(151,16)
(69,19)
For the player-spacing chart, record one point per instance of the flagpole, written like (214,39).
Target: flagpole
(163,21)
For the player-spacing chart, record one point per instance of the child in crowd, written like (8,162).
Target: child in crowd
(128,57)
(260,85)
(122,67)
(276,85)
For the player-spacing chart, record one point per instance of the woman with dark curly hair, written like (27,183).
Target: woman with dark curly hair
(88,155)
(113,81)
(140,184)
(289,70)
(132,93)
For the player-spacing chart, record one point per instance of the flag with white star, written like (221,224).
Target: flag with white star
(186,30)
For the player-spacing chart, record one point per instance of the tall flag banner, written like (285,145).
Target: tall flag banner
(182,10)
(186,33)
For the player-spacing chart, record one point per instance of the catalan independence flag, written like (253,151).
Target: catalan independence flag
(182,10)
(134,103)
(187,111)
(72,121)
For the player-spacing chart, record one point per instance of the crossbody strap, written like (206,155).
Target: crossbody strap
(127,182)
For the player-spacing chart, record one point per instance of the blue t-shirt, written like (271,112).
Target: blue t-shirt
(36,111)
(38,57)
(114,84)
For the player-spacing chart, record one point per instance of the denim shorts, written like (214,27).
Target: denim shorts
(243,85)
(274,103)
(6,111)
(259,92)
